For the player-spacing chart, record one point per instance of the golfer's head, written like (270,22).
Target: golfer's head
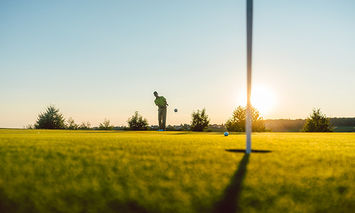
(155,93)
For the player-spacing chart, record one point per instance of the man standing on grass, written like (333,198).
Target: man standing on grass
(160,101)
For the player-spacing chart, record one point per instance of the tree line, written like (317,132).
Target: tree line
(51,118)
(296,125)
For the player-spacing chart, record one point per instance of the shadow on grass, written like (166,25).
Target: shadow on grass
(253,150)
(180,133)
(7,205)
(229,201)
(130,206)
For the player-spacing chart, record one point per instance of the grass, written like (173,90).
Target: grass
(111,171)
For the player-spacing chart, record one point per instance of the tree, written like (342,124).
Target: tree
(50,119)
(317,122)
(71,124)
(29,126)
(237,122)
(200,120)
(137,122)
(106,125)
(85,125)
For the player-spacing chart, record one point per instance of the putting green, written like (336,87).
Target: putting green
(96,171)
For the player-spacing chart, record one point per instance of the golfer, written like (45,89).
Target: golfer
(160,101)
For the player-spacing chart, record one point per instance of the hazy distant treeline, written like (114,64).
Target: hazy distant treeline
(288,125)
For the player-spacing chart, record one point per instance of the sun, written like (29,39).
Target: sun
(263,99)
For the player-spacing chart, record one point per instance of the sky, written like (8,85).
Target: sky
(97,60)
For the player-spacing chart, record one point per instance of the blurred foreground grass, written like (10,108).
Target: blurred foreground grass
(110,171)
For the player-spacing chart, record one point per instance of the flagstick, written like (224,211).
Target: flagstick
(248,123)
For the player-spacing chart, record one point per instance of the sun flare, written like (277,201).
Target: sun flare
(262,98)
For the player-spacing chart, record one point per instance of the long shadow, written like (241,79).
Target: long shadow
(229,202)
(180,133)
(253,150)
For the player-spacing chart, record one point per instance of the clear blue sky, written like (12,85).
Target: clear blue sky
(103,59)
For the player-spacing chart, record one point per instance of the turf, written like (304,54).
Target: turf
(111,171)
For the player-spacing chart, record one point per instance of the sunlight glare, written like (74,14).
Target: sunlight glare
(262,98)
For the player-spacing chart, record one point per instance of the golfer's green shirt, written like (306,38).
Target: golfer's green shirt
(160,102)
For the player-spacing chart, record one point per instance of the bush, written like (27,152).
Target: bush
(237,122)
(106,125)
(317,122)
(137,122)
(200,120)
(50,119)
(71,124)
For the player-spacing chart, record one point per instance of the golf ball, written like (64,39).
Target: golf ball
(226,134)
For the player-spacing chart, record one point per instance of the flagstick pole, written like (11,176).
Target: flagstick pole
(248,122)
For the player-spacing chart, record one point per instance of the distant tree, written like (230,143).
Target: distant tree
(85,125)
(106,125)
(29,126)
(170,128)
(137,122)
(50,119)
(285,125)
(342,122)
(317,122)
(237,122)
(185,127)
(71,124)
(120,128)
(200,120)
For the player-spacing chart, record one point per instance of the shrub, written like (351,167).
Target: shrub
(200,120)
(237,122)
(71,124)
(106,125)
(50,119)
(137,122)
(317,122)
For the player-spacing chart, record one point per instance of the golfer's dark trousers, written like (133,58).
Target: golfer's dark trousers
(162,117)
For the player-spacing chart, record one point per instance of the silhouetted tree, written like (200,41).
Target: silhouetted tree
(237,122)
(106,125)
(29,126)
(200,120)
(137,122)
(50,119)
(71,124)
(317,122)
(85,125)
